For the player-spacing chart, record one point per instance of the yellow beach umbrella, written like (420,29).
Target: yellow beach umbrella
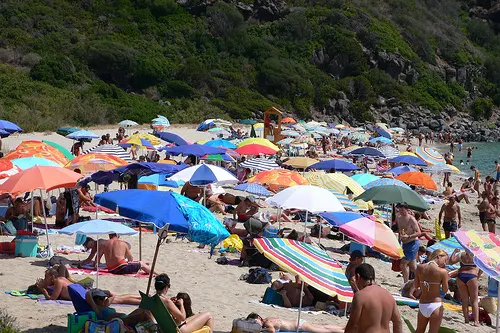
(300,162)
(151,138)
(258,125)
(258,141)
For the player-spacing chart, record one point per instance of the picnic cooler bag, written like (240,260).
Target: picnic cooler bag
(26,245)
(76,321)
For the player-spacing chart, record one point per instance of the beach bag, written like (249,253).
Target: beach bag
(112,326)
(489,304)
(233,241)
(242,325)
(76,321)
(259,276)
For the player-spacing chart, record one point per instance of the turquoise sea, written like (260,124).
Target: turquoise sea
(482,158)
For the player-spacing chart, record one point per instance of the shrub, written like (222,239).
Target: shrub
(8,323)
(482,108)
(56,70)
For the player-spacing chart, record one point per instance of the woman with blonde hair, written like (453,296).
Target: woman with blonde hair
(431,278)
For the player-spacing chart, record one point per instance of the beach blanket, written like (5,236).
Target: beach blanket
(22,293)
(63,249)
(102,209)
(102,271)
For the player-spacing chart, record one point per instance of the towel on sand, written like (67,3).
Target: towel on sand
(103,271)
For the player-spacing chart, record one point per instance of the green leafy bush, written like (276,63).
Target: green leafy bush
(482,108)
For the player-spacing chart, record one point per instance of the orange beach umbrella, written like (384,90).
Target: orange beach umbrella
(33,148)
(418,178)
(40,177)
(288,121)
(94,162)
(278,179)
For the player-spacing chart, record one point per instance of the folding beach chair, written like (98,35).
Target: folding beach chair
(164,319)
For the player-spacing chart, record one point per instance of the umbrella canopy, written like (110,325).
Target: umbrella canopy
(367,151)
(64,131)
(63,150)
(194,149)
(160,208)
(384,182)
(204,174)
(418,178)
(314,199)
(260,164)
(98,227)
(345,201)
(82,134)
(248,121)
(259,141)
(136,141)
(159,179)
(29,162)
(441,168)
(220,143)
(300,162)
(401,169)
(40,177)
(384,132)
(288,120)
(392,194)
(359,137)
(255,149)
(172,138)
(255,189)
(364,178)
(336,164)
(7,169)
(285,141)
(9,127)
(127,123)
(389,151)
(310,263)
(429,155)
(381,139)
(278,179)
(93,162)
(408,159)
(290,133)
(33,148)
(218,157)
(109,149)
(365,231)
(449,245)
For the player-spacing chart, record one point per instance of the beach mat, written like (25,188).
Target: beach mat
(102,272)
(400,300)
(22,293)
(306,309)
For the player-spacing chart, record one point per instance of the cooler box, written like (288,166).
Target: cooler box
(26,246)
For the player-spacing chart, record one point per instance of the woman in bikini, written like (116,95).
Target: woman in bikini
(431,277)
(467,279)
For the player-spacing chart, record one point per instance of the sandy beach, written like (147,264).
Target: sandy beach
(212,287)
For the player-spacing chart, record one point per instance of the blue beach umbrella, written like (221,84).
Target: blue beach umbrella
(368,151)
(364,178)
(401,169)
(4,134)
(255,189)
(338,165)
(9,127)
(383,132)
(204,174)
(29,162)
(82,134)
(98,227)
(384,182)
(220,143)
(194,149)
(408,159)
(381,139)
(172,138)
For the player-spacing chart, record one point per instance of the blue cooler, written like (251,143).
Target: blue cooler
(26,246)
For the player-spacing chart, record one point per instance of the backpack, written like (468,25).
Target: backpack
(258,276)
(113,326)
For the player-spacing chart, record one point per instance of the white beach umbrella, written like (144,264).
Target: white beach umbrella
(310,198)
(204,174)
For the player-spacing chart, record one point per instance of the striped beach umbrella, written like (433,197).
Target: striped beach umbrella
(260,164)
(110,150)
(429,155)
(389,152)
(310,263)
(347,203)
(449,245)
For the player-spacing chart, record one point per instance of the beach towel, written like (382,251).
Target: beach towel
(103,271)
(63,249)
(22,293)
(92,209)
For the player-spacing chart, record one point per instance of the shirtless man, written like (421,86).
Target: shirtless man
(409,231)
(451,212)
(18,215)
(230,199)
(192,192)
(491,214)
(477,179)
(497,171)
(58,283)
(91,244)
(290,291)
(373,307)
(119,259)
(277,324)
(246,209)
(355,260)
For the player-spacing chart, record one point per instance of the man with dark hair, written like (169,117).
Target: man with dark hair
(409,231)
(277,324)
(58,283)
(373,307)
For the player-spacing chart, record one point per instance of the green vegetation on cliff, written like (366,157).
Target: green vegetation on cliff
(87,62)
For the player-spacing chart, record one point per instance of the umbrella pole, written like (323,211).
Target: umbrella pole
(140,241)
(96,206)
(305,227)
(158,243)
(498,312)
(300,304)
(97,264)
(32,210)
(46,227)
(320,227)
(278,218)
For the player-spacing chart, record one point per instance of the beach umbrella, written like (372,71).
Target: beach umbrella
(384,132)
(260,164)
(220,130)
(407,153)
(259,127)
(310,198)
(429,155)
(384,182)
(288,120)
(64,131)
(347,203)
(161,208)
(4,134)
(441,168)
(62,149)
(172,137)
(34,148)
(367,151)
(205,174)
(393,194)
(360,137)
(300,162)
(93,162)
(159,179)
(364,178)
(291,133)
(9,127)
(136,141)
(82,134)
(365,231)
(381,139)
(449,245)
(127,123)
(220,143)
(401,169)
(248,121)
(418,178)
(172,162)
(258,141)
(255,149)
(306,138)
(29,162)
(285,141)
(255,189)
(335,164)
(408,159)
(194,149)
(110,149)
(278,179)
(98,227)
(218,158)
(398,129)
(148,168)
(7,169)
(389,151)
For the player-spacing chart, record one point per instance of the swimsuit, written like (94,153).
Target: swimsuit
(410,250)
(466,277)
(427,309)
(125,267)
(482,217)
(450,226)
(301,322)
(182,324)
(105,313)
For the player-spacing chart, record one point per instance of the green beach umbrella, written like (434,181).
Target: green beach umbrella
(63,150)
(393,194)
(248,122)
(252,133)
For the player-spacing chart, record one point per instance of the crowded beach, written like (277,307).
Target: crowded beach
(245,226)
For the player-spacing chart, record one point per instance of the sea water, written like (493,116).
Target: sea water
(484,155)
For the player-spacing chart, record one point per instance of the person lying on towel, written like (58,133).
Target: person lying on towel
(54,286)
(118,256)
(281,325)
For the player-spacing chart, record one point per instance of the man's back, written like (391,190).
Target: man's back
(377,308)
(63,283)
(115,251)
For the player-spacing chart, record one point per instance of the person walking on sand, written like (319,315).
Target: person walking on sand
(432,277)
(409,231)
(451,212)
(373,307)
(477,179)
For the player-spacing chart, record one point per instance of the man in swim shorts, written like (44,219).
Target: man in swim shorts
(409,231)
(273,324)
(246,209)
(451,212)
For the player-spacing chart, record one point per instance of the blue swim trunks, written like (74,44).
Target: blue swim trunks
(411,250)
(498,176)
